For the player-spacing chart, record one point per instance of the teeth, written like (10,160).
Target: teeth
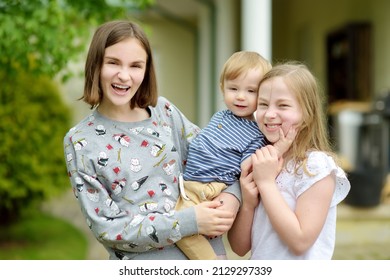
(272,125)
(121,87)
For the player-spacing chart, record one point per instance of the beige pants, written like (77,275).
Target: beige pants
(197,247)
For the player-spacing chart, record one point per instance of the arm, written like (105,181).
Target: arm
(298,228)
(239,235)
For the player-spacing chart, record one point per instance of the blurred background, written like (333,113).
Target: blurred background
(43,49)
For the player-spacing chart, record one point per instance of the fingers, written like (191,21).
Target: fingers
(291,133)
(246,166)
(217,212)
(272,151)
(268,151)
(280,164)
(213,221)
(285,140)
(281,133)
(213,204)
(229,203)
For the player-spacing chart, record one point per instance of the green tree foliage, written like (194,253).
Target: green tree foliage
(42,36)
(33,123)
(38,40)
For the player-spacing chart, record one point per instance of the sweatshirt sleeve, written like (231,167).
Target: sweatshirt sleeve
(185,130)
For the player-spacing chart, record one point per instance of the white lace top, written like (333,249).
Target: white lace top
(266,243)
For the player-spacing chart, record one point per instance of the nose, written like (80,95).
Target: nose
(270,112)
(124,74)
(240,95)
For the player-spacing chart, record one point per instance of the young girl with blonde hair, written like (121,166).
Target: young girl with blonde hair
(289,204)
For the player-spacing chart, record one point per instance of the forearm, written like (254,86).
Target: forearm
(129,226)
(139,232)
(239,235)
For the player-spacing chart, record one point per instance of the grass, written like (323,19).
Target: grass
(42,237)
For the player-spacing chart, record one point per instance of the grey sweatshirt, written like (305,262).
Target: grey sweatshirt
(125,177)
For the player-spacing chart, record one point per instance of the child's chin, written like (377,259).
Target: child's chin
(273,140)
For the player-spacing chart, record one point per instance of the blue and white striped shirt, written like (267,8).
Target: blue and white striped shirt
(215,155)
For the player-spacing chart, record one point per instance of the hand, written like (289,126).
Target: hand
(211,220)
(266,165)
(228,202)
(285,141)
(250,193)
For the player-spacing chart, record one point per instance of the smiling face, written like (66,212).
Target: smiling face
(122,73)
(240,94)
(277,107)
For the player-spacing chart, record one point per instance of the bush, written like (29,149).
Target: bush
(34,120)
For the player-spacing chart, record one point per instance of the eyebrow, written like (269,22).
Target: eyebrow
(278,100)
(114,58)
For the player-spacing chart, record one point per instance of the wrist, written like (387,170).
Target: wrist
(248,208)
(265,185)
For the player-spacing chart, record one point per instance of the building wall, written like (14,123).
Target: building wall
(300,28)
(174,52)
(381,41)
